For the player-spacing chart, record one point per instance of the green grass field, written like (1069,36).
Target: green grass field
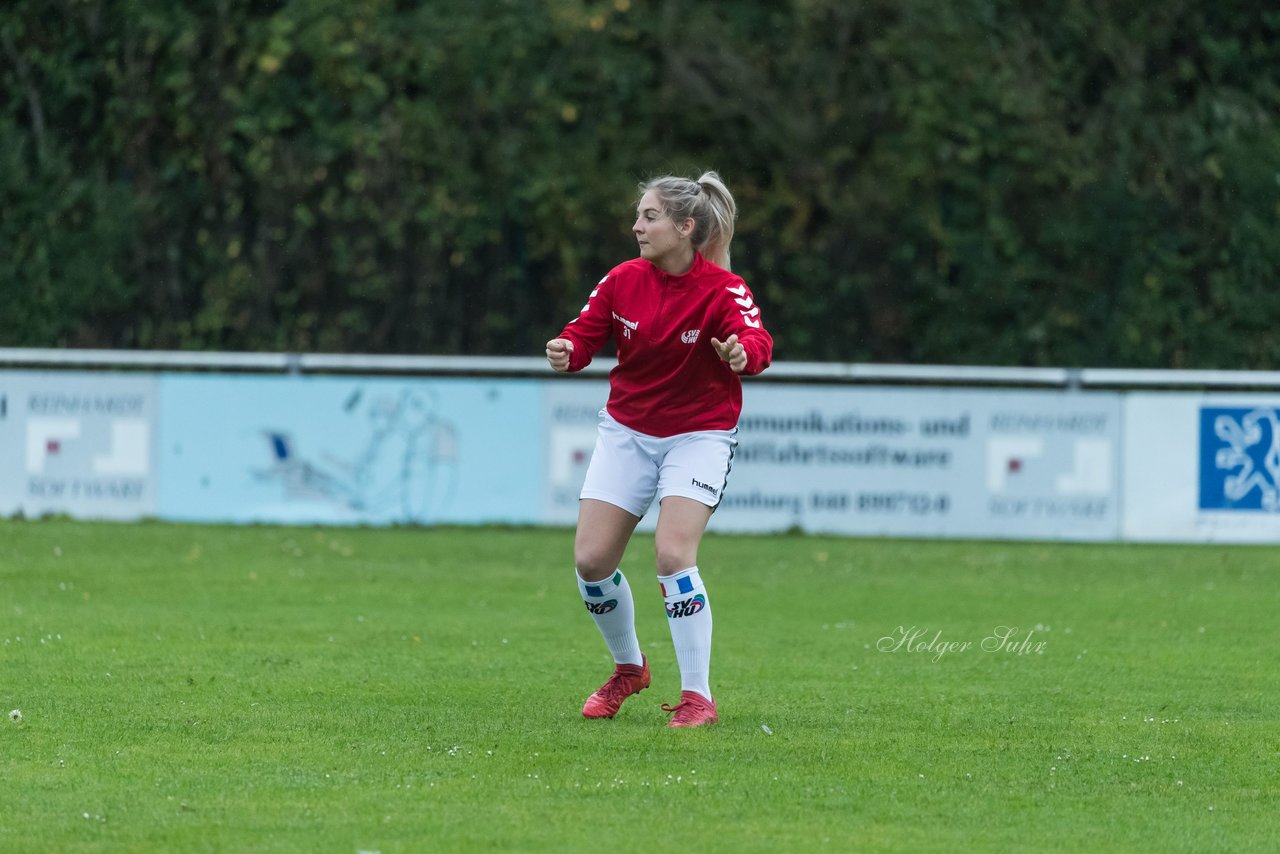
(189,688)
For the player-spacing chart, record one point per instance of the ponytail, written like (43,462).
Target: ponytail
(708,202)
(722,212)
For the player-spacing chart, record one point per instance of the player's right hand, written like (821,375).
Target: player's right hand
(558,352)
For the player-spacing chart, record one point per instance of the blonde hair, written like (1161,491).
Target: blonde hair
(708,202)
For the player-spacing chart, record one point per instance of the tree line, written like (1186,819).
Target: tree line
(1063,182)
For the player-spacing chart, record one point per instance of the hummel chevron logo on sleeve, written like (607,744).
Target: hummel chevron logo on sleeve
(594,291)
(749,309)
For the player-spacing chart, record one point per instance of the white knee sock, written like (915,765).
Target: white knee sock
(689,616)
(614,611)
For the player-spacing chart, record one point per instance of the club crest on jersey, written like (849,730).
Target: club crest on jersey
(690,336)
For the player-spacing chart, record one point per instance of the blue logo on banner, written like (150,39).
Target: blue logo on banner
(1240,459)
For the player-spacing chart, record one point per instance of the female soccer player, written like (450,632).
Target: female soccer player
(685,329)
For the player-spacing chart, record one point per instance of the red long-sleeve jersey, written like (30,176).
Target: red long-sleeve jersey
(669,378)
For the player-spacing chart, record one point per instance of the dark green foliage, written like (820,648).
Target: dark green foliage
(1072,182)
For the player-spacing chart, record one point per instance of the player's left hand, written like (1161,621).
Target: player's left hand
(732,352)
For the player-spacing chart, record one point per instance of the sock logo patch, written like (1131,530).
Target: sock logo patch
(687,607)
(597,590)
(682,585)
(601,607)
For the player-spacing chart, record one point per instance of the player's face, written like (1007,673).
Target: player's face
(659,238)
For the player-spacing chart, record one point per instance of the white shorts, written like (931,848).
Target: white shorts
(628,469)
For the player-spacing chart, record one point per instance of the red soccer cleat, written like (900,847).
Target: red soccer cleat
(692,710)
(627,679)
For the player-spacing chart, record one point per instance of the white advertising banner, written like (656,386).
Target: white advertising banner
(570,411)
(79,444)
(1202,468)
(350,450)
(889,461)
(856,460)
